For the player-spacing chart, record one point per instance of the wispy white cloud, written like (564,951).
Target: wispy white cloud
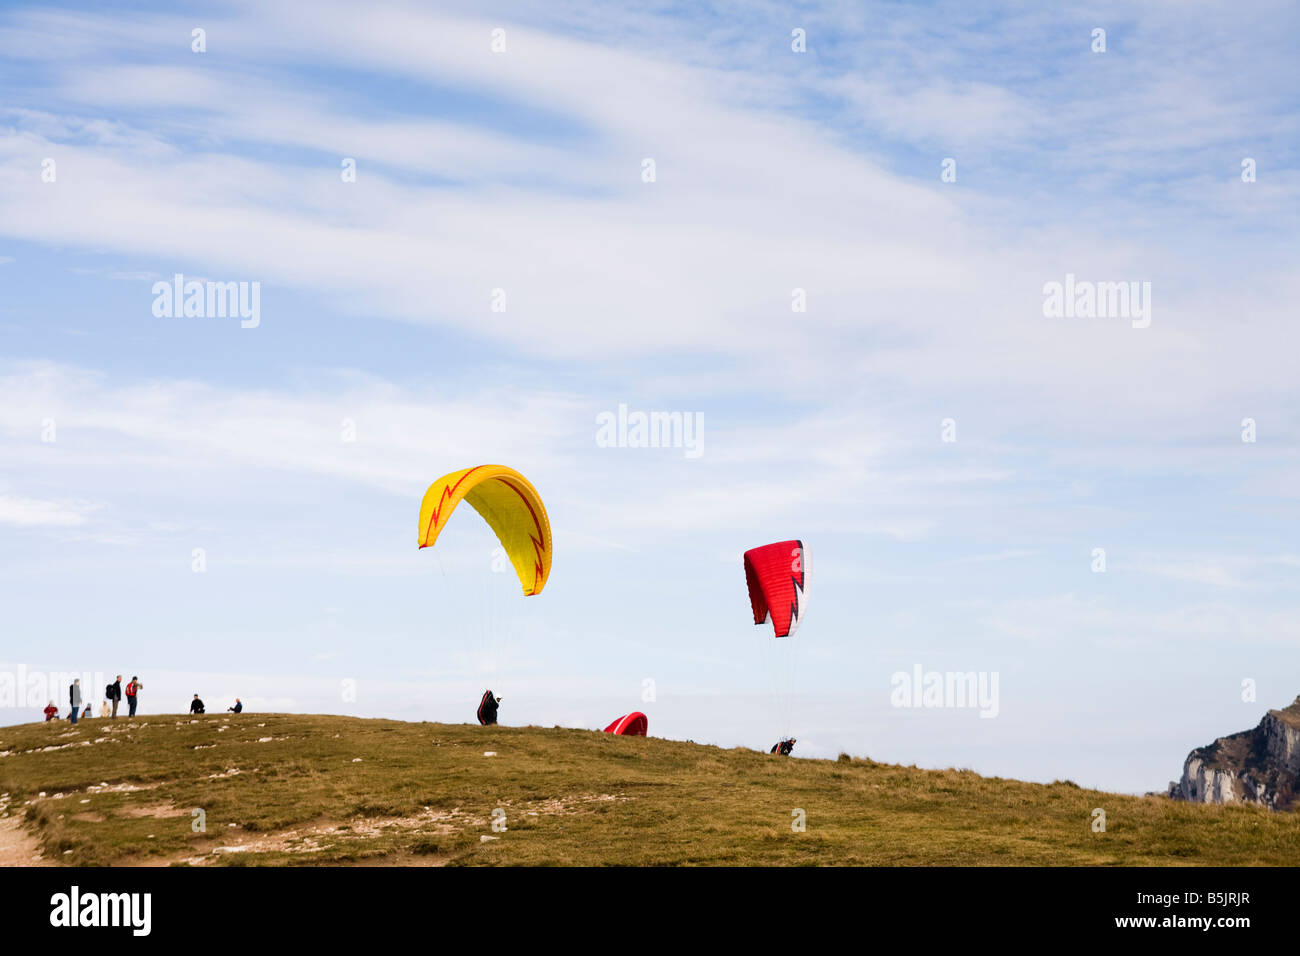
(34,512)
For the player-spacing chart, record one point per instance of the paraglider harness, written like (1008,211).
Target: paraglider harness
(487,709)
(784,748)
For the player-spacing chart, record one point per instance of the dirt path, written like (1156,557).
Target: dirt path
(17,846)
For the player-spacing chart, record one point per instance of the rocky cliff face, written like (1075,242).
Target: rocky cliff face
(1260,766)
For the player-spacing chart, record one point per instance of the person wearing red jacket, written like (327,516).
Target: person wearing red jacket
(133,694)
(51,712)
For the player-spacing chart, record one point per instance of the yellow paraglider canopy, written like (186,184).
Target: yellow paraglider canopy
(508,503)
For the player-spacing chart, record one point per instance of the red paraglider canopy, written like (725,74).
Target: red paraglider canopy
(634,724)
(776,579)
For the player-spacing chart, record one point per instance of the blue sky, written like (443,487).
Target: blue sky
(522,170)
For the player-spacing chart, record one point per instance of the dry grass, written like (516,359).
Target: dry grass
(339,790)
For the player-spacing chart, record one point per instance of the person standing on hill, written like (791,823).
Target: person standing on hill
(133,694)
(487,709)
(74,697)
(115,693)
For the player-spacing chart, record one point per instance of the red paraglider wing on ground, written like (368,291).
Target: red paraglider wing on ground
(634,724)
(776,578)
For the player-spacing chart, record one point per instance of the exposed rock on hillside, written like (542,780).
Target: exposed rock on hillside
(1260,766)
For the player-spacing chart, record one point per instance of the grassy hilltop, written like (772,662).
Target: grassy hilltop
(311,790)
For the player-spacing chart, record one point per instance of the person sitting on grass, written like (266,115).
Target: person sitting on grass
(51,712)
(196,705)
(237,708)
